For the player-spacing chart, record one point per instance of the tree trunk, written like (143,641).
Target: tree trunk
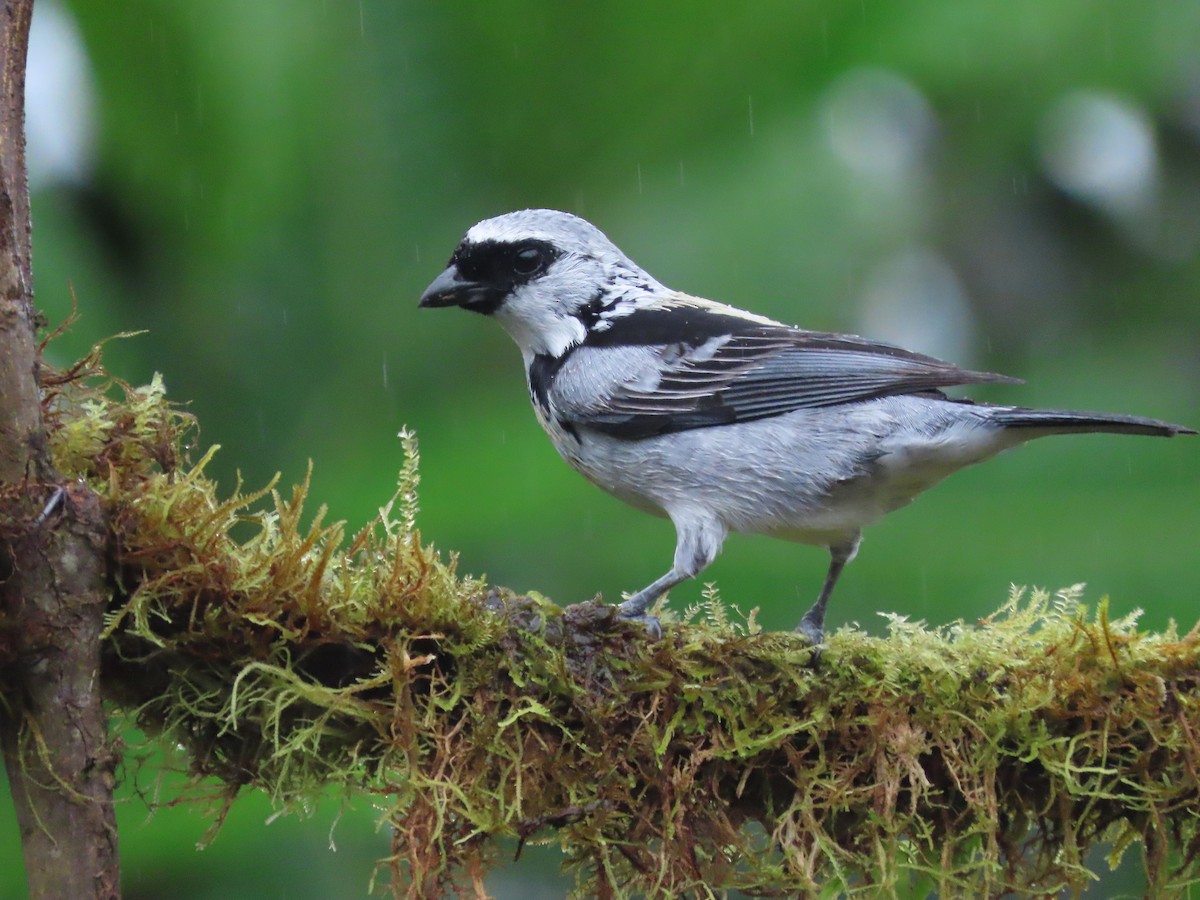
(52,590)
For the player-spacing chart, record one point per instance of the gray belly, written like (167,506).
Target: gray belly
(813,476)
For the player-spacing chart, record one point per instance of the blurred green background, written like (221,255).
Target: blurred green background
(267,187)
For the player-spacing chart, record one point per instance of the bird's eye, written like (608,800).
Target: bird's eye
(529,261)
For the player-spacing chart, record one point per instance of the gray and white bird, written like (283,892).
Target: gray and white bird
(720,419)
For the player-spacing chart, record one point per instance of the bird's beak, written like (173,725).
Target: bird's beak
(449,289)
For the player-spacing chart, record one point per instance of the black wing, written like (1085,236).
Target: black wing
(725,368)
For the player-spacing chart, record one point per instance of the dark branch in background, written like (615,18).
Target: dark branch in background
(52,592)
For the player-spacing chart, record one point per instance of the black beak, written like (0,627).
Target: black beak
(449,289)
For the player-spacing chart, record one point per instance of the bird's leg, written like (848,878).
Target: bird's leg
(634,609)
(812,626)
(698,541)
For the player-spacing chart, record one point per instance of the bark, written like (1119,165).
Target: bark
(52,589)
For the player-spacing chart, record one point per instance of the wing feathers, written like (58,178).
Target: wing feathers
(722,368)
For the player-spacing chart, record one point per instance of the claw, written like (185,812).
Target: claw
(815,635)
(811,630)
(650,623)
(56,499)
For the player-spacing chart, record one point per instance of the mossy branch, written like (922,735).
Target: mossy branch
(969,760)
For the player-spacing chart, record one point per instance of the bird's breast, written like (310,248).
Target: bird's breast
(563,435)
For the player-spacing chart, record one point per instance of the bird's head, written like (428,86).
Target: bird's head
(546,276)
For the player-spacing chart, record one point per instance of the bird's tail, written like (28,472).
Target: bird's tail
(1065,421)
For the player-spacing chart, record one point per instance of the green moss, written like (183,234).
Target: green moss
(970,760)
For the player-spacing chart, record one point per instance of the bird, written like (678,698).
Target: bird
(723,420)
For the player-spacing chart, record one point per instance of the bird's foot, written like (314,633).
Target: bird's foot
(811,630)
(814,632)
(650,623)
